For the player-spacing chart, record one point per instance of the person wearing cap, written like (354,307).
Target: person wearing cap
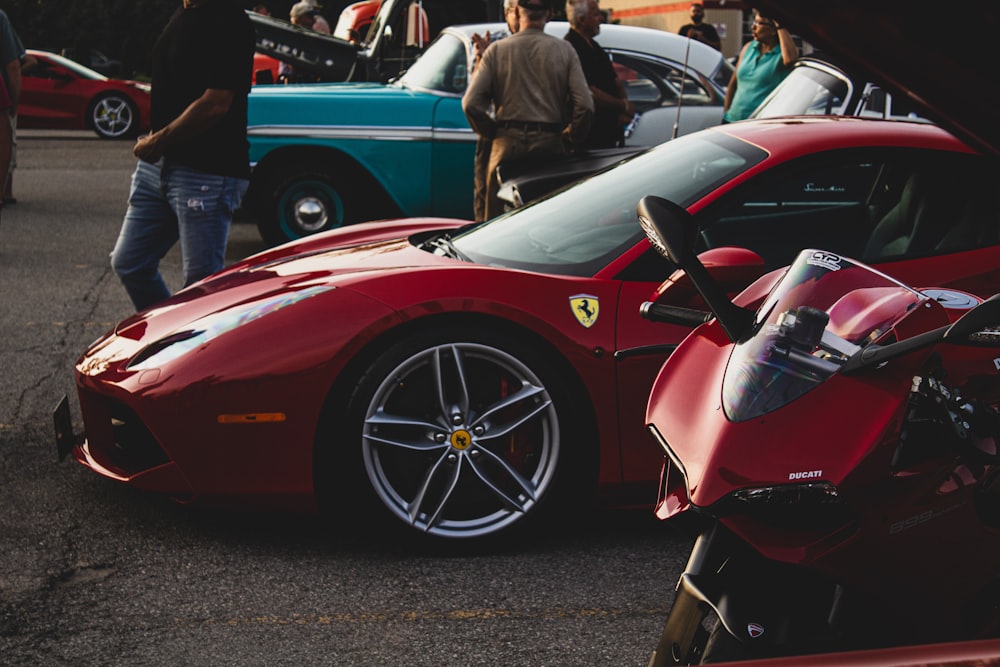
(194,167)
(534,84)
(612,110)
(319,23)
(305,15)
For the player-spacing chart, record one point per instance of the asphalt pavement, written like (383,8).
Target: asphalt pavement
(92,573)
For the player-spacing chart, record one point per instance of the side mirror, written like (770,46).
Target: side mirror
(674,232)
(460,79)
(979,326)
(669,227)
(732,267)
(976,327)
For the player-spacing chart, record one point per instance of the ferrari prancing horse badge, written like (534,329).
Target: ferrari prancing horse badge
(586,308)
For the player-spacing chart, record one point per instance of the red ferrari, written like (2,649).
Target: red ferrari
(61,94)
(465,381)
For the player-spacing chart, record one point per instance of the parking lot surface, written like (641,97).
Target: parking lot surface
(95,574)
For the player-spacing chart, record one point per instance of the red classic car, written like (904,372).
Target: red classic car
(61,94)
(463,380)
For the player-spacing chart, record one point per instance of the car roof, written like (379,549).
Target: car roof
(700,57)
(788,135)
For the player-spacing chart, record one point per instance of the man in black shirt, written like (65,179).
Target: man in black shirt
(194,167)
(612,110)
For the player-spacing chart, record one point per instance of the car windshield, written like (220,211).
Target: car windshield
(807,90)
(80,70)
(442,68)
(823,311)
(580,229)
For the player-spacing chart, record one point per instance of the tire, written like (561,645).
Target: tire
(461,436)
(308,202)
(113,116)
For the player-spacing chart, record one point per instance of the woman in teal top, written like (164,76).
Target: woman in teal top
(762,64)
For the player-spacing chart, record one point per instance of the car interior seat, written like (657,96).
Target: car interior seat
(978,225)
(891,234)
(916,225)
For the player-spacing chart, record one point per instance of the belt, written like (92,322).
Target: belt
(529,126)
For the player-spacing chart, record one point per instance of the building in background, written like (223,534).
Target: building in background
(728,17)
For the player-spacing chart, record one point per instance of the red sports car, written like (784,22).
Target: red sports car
(61,94)
(465,380)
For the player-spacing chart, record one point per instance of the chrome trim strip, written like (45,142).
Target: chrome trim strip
(364,133)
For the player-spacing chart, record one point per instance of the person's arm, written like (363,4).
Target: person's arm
(619,103)
(480,42)
(478,99)
(14,83)
(731,88)
(789,52)
(28,62)
(583,102)
(200,116)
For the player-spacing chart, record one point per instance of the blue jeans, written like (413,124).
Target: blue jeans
(167,204)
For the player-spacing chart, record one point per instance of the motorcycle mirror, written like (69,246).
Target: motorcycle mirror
(669,227)
(978,326)
(673,232)
(970,329)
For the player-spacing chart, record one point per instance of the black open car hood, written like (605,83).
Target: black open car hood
(940,57)
(326,57)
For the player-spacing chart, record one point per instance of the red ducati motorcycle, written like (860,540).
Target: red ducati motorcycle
(835,433)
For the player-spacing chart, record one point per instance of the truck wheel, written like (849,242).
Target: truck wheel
(307,203)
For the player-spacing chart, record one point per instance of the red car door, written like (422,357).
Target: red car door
(52,97)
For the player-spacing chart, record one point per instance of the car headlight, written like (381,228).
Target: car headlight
(819,493)
(178,343)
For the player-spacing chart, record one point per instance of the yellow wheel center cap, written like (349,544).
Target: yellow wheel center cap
(461,439)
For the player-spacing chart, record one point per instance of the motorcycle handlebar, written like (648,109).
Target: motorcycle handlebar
(658,312)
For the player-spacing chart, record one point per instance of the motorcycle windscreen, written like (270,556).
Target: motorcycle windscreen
(823,310)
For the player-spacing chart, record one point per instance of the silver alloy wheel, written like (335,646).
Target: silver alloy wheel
(113,116)
(461,440)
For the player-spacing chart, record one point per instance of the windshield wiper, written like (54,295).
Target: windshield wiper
(442,243)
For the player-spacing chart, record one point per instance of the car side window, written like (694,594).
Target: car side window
(650,84)
(937,206)
(442,68)
(43,70)
(805,204)
(897,205)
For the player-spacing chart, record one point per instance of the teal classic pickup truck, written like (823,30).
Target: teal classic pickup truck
(329,154)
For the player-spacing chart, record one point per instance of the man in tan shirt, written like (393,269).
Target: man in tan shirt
(535,83)
(485,144)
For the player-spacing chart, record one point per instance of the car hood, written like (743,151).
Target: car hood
(909,48)
(342,259)
(330,58)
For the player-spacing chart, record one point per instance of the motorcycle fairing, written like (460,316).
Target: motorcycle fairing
(773,602)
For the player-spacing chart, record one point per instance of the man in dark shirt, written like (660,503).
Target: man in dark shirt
(699,30)
(194,167)
(612,110)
